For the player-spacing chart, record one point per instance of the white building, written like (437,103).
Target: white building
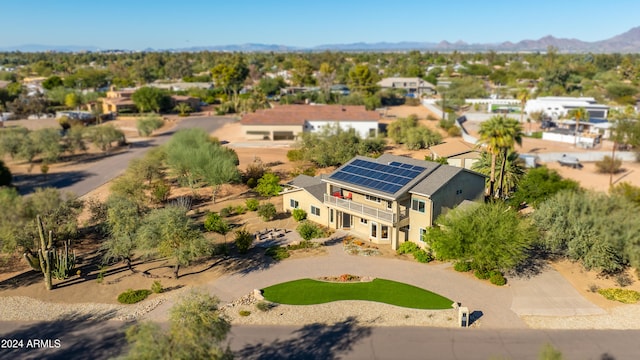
(557,107)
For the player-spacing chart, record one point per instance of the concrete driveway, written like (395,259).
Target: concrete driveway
(498,307)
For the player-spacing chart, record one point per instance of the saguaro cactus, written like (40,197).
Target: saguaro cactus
(44,259)
(63,263)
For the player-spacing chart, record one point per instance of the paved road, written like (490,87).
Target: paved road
(105,169)
(84,339)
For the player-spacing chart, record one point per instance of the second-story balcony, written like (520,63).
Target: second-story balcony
(360,209)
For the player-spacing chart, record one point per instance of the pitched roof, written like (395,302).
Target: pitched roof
(298,114)
(398,174)
(451,148)
(313,185)
(437,179)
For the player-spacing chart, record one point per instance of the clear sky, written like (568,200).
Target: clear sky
(161,24)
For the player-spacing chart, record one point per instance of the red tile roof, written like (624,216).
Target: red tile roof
(298,114)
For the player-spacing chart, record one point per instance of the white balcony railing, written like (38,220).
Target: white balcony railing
(361,209)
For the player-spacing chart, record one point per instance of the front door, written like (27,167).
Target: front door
(346,221)
(374,230)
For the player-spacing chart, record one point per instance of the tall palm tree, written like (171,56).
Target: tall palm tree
(514,169)
(499,134)
(578,114)
(523,97)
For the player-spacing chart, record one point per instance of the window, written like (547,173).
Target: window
(372,198)
(330,215)
(372,132)
(293,203)
(374,230)
(418,205)
(363,221)
(315,211)
(384,232)
(421,232)
(389,204)
(459,191)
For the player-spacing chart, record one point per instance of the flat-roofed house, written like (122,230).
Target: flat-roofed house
(388,200)
(287,122)
(414,85)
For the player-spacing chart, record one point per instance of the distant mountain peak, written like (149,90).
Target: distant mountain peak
(627,42)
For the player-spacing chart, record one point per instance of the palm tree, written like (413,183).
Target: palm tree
(514,169)
(183,108)
(523,97)
(499,134)
(578,114)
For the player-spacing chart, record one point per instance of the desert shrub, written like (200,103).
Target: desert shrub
(211,221)
(621,295)
(454,131)
(265,305)
(295,155)
(160,191)
(623,279)
(156,287)
(303,245)
(251,183)
(267,211)
(422,256)
(497,278)
(148,124)
(609,165)
(133,296)
(244,312)
(252,204)
(227,211)
(299,215)
(462,266)
(240,209)
(482,274)
(407,247)
(277,252)
(594,288)
(309,230)
(243,241)
(255,170)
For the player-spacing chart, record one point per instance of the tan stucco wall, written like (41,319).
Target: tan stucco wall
(305,200)
(419,220)
(471,185)
(295,129)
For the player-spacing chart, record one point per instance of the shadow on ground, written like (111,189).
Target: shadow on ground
(315,341)
(28,183)
(70,337)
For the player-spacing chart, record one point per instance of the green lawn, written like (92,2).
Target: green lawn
(309,292)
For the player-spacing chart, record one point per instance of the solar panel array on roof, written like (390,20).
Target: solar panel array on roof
(385,178)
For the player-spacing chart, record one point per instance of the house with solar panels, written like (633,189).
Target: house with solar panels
(388,200)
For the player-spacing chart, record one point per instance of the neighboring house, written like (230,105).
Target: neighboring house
(287,122)
(457,152)
(557,107)
(117,101)
(388,200)
(193,102)
(181,85)
(414,86)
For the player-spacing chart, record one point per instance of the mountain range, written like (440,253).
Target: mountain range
(628,42)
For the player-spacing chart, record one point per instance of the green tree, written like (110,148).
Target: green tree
(499,134)
(72,100)
(628,191)
(539,184)
(104,136)
(183,109)
(267,211)
(170,232)
(593,228)
(362,79)
(269,185)
(194,157)
(490,236)
(52,82)
(151,99)
(578,115)
(214,222)
(123,218)
(197,330)
(11,140)
(513,170)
